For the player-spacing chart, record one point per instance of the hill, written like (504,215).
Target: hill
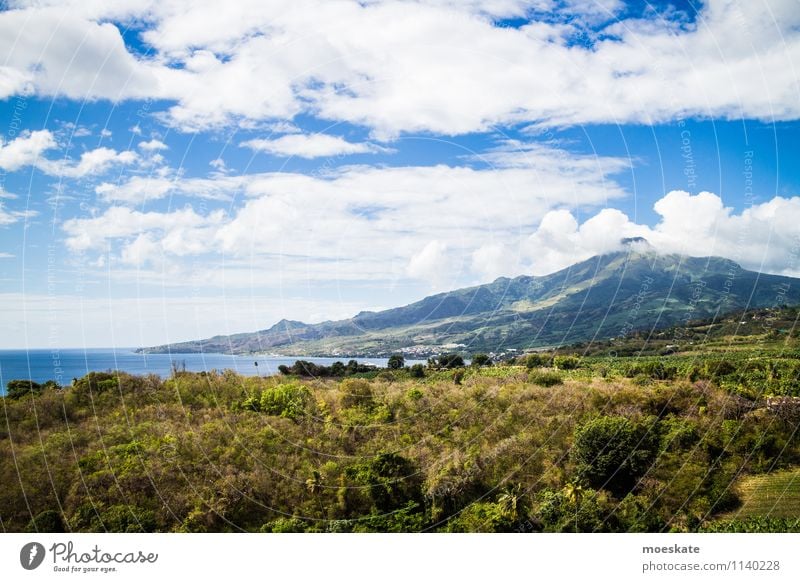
(603,297)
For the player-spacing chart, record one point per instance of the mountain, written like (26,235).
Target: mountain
(606,296)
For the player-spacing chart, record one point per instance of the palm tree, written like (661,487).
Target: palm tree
(574,494)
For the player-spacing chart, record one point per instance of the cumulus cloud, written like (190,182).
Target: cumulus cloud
(152,145)
(140,189)
(25,150)
(761,237)
(400,66)
(354,221)
(432,263)
(29,148)
(310,146)
(91,162)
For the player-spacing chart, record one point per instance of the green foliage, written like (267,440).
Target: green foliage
(564,511)
(545,379)
(396,361)
(391,481)
(19,388)
(49,521)
(566,362)
(307,369)
(481,360)
(199,453)
(655,370)
(536,360)
(417,371)
(612,452)
(284,525)
(754,525)
(356,392)
(446,361)
(286,400)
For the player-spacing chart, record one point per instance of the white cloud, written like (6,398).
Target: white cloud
(8,217)
(139,189)
(310,146)
(400,66)
(25,150)
(352,222)
(28,150)
(152,145)
(291,239)
(57,51)
(123,223)
(91,162)
(432,264)
(763,237)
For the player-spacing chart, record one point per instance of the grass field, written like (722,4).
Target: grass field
(773,495)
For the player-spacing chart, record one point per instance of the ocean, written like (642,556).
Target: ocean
(62,365)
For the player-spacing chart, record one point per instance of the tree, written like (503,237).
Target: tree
(19,388)
(612,452)
(396,361)
(447,361)
(480,360)
(417,371)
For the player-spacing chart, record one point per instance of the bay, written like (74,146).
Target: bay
(62,365)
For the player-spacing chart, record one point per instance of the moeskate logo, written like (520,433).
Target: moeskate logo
(31,555)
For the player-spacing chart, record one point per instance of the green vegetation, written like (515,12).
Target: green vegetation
(556,441)
(776,495)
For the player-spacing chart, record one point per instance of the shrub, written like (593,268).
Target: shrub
(286,400)
(612,452)
(355,392)
(417,371)
(19,388)
(545,379)
(390,480)
(447,361)
(396,361)
(480,360)
(536,360)
(49,521)
(566,362)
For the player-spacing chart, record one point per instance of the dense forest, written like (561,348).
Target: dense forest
(545,442)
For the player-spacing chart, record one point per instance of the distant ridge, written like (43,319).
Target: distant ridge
(605,296)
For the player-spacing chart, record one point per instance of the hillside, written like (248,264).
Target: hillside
(603,297)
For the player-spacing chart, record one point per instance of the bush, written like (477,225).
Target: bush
(20,388)
(286,400)
(545,379)
(396,361)
(390,481)
(417,371)
(566,362)
(612,452)
(447,361)
(49,521)
(536,360)
(481,360)
(355,392)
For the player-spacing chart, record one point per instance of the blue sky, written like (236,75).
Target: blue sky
(170,172)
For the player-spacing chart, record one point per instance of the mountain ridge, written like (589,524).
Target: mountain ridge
(601,297)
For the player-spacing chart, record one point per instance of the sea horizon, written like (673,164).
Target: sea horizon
(64,364)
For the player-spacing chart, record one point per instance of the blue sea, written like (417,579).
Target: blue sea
(62,365)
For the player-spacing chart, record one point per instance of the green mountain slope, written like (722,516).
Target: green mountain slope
(603,297)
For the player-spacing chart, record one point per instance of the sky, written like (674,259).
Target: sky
(171,171)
